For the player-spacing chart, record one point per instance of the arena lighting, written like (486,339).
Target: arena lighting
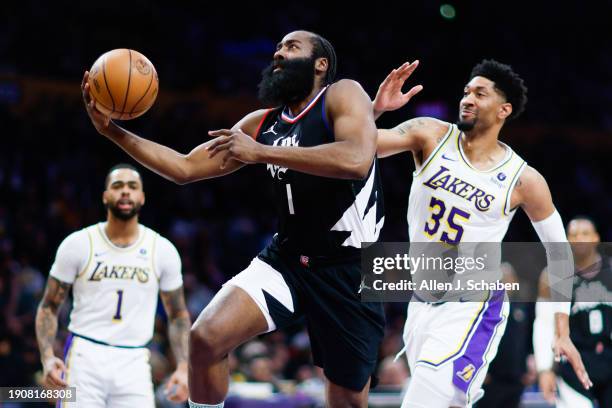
(448,11)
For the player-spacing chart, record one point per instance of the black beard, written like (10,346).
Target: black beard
(293,83)
(123,216)
(465,126)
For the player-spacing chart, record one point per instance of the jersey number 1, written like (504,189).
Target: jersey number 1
(117,315)
(290,199)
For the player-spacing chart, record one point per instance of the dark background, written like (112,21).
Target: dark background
(209,59)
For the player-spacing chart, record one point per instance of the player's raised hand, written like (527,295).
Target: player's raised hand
(53,369)
(234,144)
(564,348)
(176,388)
(390,96)
(99,120)
(547,381)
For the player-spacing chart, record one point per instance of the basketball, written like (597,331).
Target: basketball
(123,83)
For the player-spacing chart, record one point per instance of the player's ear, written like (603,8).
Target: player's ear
(104,198)
(321,64)
(504,111)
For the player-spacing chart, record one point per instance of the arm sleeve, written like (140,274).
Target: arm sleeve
(543,333)
(559,260)
(168,264)
(71,257)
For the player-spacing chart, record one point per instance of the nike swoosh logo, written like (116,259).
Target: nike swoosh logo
(447,158)
(100,254)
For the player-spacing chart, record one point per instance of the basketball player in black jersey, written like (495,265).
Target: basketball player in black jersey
(319,146)
(590,323)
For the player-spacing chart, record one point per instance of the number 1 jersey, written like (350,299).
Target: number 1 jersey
(319,216)
(115,289)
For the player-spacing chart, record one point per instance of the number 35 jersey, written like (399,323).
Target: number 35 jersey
(452,202)
(319,216)
(115,289)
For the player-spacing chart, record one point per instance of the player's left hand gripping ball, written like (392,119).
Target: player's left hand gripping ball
(236,144)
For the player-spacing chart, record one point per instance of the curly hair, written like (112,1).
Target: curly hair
(507,82)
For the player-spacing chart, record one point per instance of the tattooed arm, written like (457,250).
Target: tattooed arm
(419,136)
(179,324)
(46,330)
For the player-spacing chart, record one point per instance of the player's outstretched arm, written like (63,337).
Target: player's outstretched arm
(174,166)
(46,330)
(348,157)
(533,195)
(390,96)
(414,135)
(179,324)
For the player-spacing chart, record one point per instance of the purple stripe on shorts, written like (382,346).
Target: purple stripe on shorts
(466,366)
(67,346)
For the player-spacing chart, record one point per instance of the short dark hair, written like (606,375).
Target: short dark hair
(322,48)
(583,218)
(510,85)
(117,167)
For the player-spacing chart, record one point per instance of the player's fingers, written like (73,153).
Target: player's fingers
(409,70)
(84,80)
(220,132)
(549,395)
(55,379)
(576,362)
(406,66)
(59,364)
(218,146)
(181,394)
(86,96)
(414,90)
(172,383)
(557,353)
(226,158)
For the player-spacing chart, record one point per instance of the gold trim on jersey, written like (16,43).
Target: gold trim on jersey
(448,136)
(69,359)
(88,263)
(507,159)
(511,188)
(142,231)
(153,247)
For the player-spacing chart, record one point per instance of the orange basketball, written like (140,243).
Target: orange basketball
(124,84)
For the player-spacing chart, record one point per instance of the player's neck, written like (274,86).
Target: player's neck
(296,108)
(483,147)
(122,233)
(589,263)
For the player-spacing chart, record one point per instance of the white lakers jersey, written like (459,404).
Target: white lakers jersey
(453,202)
(115,289)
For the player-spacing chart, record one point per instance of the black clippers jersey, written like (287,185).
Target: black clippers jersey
(591,315)
(319,216)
